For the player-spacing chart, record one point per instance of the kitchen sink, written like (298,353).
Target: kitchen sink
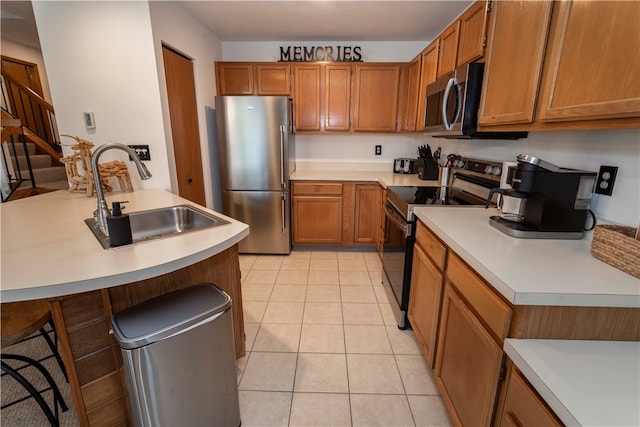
(160,223)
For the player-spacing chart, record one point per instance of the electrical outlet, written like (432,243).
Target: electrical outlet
(606,178)
(142,151)
(378,150)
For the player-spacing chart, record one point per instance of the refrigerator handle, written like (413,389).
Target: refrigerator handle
(282,135)
(283,212)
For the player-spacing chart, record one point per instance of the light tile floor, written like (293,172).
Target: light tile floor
(323,348)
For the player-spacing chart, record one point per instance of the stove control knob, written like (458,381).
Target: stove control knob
(488,169)
(497,170)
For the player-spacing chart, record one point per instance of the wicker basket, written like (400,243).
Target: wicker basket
(616,245)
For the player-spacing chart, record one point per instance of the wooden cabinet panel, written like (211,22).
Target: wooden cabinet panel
(434,248)
(366,213)
(517,39)
(307,95)
(409,96)
(473,27)
(424,302)
(317,220)
(523,407)
(428,75)
(376,97)
(337,97)
(494,312)
(234,78)
(468,363)
(318,188)
(273,79)
(448,49)
(592,65)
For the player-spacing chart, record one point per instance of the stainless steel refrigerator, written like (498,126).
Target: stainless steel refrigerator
(256,157)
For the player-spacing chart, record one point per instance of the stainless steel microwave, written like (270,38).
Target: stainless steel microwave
(452,106)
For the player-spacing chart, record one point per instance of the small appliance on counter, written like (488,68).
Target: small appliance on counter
(545,202)
(404,165)
(428,163)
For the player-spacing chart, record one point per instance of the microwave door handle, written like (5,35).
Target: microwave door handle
(458,103)
(449,125)
(450,83)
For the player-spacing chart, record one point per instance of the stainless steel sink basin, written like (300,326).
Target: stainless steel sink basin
(159,223)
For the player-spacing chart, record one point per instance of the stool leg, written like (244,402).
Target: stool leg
(57,396)
(54,349)
(33,392)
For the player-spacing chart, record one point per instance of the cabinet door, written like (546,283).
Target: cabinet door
(409,96)
(473,28)
(448,49)
(517,39)
(376,97)
(592,65)
(273,79)
(366,213)
(306,96)
(337,97)
(234,78)
(468,363)
(523,406)
(424,302)
(428,75)
(317,220)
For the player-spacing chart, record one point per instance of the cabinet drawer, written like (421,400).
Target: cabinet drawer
(435,249)
(523,407)
(317,188)
(493,311)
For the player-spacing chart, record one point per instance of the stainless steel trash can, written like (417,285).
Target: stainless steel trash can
(179,359)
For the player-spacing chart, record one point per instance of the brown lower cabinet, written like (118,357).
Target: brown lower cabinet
(465,326)
(523,406)
(335,213)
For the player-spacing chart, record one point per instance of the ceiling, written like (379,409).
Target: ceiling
(303,20)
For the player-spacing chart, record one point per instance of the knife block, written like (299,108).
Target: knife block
(427,169)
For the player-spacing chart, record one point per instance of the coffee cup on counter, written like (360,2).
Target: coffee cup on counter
(511,203)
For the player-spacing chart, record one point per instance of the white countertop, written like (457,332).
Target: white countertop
(385,178)
(48,250)
(586,383)
(531,271)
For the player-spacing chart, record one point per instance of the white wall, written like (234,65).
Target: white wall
(178,29)
(100,57)
(17,50)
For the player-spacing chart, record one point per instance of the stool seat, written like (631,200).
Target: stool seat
(22,319)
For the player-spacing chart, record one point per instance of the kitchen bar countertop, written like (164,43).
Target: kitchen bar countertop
(531,271)
(48,250)
(595,383)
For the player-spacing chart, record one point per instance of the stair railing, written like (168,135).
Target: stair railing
(12,131)
(31,109)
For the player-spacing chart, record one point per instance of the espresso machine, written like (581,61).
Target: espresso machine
(555,201)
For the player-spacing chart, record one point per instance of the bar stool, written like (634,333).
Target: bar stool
(19,321)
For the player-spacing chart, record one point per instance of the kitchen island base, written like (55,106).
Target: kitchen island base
(91,355)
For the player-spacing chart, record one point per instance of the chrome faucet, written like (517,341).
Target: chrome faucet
(101,213)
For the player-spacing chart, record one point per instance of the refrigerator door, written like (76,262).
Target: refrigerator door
(268,216)
(253,142)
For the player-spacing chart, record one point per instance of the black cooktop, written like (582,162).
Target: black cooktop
(418,195)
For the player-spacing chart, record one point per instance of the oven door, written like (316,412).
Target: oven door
(397,250)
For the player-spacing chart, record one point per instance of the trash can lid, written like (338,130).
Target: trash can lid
(167,315)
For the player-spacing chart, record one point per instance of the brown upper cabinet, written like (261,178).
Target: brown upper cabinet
(562,65)
(463,41)
(409,93)
(247,78)
(428,75)
(322,97)
(375,104)
(448,49)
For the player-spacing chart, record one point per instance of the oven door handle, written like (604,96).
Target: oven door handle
(392,216)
